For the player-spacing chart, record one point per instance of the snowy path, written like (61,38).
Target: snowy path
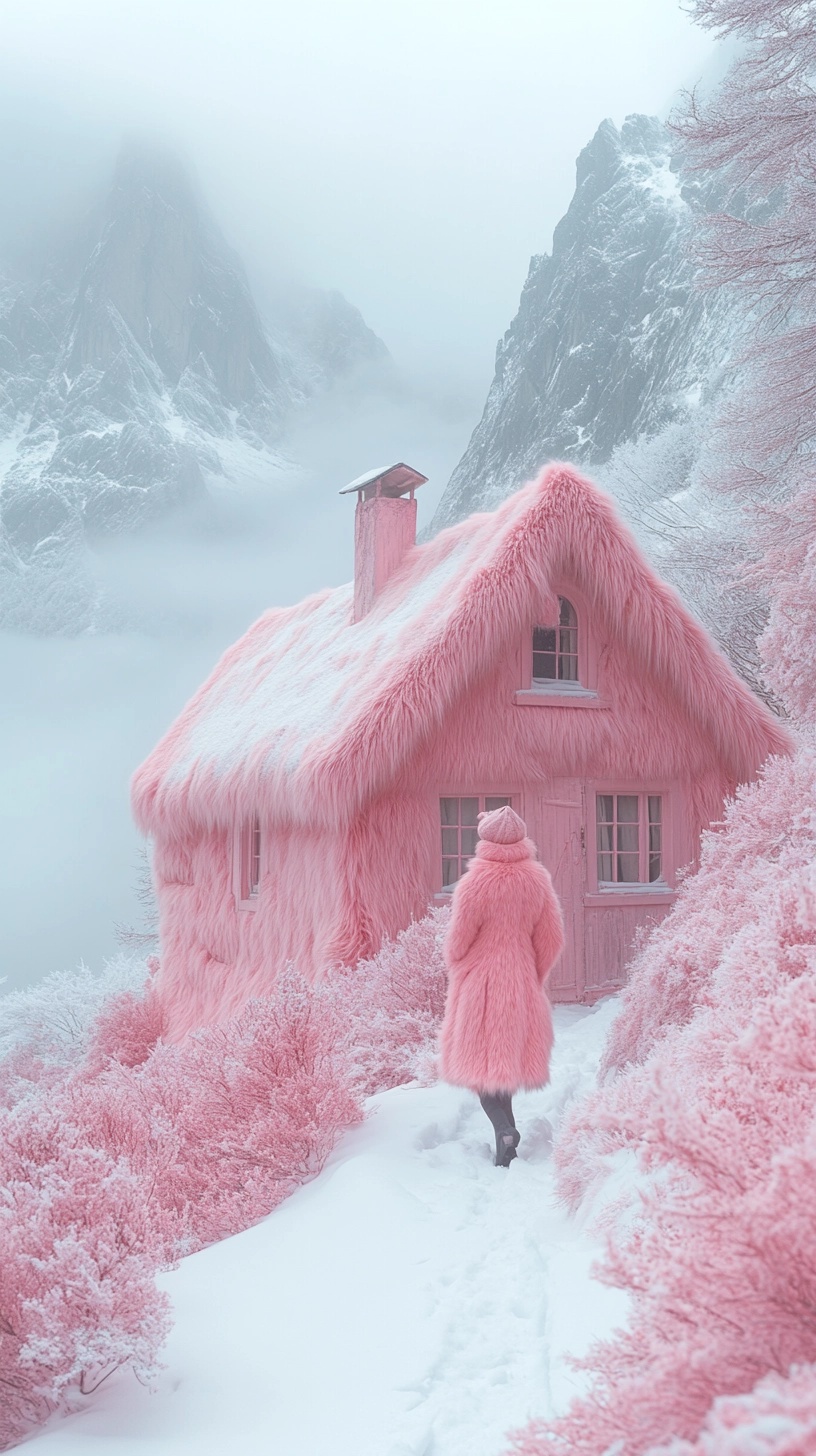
(412,1301)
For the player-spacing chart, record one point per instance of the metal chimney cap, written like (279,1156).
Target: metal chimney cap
(393,480)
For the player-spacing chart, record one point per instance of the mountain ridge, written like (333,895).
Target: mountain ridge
(611,341)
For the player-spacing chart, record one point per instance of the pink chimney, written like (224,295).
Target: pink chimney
(384,528)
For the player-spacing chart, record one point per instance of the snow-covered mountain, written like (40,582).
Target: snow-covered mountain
(136,369)
(611,343)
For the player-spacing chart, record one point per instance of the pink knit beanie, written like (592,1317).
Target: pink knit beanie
(502,826)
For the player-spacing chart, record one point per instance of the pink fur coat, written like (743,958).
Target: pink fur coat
(505,935)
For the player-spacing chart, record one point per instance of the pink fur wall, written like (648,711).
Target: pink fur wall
(215,957)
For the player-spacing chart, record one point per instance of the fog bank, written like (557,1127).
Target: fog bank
(79,714)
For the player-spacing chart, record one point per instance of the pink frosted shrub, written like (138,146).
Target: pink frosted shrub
(47,1029)
(122,1152)
(392,1004)
(128,1028)
(771,830)
(145,1152)
(778,1418)
(78,1256)
(225,1124)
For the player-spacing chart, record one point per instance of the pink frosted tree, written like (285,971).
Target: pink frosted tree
(757,133)
(78,1256)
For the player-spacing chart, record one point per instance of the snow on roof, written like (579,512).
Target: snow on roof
(311,712)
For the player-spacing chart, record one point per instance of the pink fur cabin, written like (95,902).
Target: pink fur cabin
(322,787)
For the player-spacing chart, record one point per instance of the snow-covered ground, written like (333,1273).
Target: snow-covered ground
(413,1300)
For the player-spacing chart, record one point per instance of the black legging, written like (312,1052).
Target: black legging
(499,1108)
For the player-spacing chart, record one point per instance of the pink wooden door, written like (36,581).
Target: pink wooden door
(555,817)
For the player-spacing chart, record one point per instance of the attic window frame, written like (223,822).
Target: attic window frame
(541,691)
(566,641)
(482,797)
(248,863)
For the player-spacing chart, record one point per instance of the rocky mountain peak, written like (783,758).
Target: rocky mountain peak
(138,371)
(161,271)
(611,340)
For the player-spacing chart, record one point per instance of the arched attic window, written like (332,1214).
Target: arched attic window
(555,649)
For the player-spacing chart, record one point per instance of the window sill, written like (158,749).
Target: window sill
(248,905)
(557,697)
(638,895)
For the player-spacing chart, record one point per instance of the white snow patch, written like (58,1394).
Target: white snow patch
(413,1300)
(658,179)
(10,444)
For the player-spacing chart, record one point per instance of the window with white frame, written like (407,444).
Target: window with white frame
(458,819)
(555,648)
(629,842)
(249,866)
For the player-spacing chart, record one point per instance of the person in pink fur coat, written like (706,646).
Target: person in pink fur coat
(505,935)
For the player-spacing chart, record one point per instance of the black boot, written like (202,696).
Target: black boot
(506,1144)
(499,1108)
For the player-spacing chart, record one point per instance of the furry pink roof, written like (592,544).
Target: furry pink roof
(310,713)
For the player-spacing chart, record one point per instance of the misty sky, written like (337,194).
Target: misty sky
(412,153)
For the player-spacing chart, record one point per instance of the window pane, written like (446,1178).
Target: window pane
(655,838)
(470,810)
(566,615)
(449,811)
(568,640)
(450,841)
(491,804)
(544,639)
(603,804)
(544,659)
(628,839)
(468,843)
(450,872)
(628,868)
(604,868)
(568,669)
(543,666)
(604,833)
(628,808)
